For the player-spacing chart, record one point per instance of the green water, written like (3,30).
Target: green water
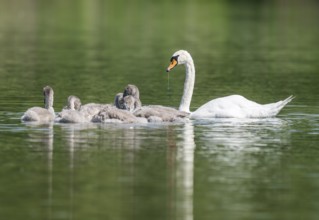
(203,169)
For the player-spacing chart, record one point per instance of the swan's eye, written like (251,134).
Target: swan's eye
(175,58)
(173,63)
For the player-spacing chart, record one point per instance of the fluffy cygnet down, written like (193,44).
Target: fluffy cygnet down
(158,113)
(127,103)
(40,114)
(131,90)
(111,114)
(129,99)
(73,103)
(71,112)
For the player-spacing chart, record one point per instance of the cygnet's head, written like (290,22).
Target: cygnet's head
(74,103)
(179,57)
(118,101)
(131,90)
(47,91)
(129,103)
(48,96)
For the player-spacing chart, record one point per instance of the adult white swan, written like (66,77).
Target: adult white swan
(234,106)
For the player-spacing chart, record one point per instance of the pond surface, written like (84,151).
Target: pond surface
(202,169)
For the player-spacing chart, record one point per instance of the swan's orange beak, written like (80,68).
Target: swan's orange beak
(171,65)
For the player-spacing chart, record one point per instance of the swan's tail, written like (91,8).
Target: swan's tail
(30,116)
(275,108)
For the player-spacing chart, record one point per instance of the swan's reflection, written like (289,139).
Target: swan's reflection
(228,142)
(224,142)
(185,172)
(77,135)
(234,142)
(239,157)
(44,134)
(241,134)
(131,141)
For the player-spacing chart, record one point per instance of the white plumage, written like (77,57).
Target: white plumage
(234,106)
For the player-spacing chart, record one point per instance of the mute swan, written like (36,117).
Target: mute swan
(91,109)
(131,90)
(158,113)
(153,113)
(118,101)
(71,113)
(111,114)
(234,106)
(128,102)
(129,99)
(40,114)
(74,103)
(75,113)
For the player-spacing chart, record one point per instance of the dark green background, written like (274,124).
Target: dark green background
(210,169)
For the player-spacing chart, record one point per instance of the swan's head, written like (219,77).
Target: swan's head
(131,90)
(48,96)
(129,103)
(47,91)
(179,57)
(74,103)
(118,101)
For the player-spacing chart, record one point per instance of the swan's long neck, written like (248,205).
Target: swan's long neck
(49,102)
(188,86)
(71,105)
